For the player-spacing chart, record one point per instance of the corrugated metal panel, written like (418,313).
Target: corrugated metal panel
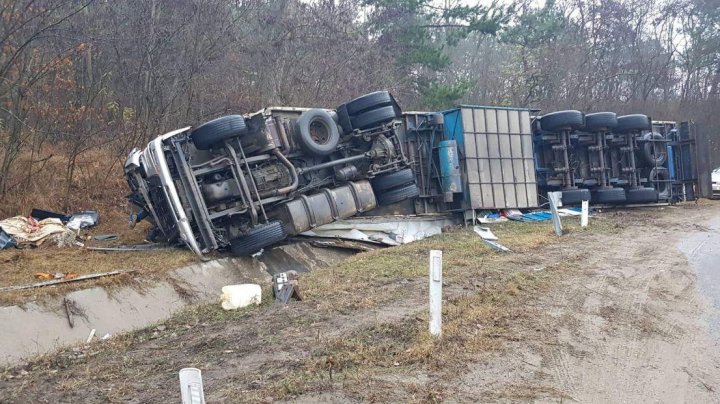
(496,154)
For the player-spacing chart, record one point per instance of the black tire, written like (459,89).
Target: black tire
(257,238)
(317,132)
(654,149)
(562,120)
(633,123)
(400,178)
(398,195)
(369,101)
(374,118)
(218,130)
(608,195)
(344,119)
(641,195)
(575,196)
(659,178)
(600,121)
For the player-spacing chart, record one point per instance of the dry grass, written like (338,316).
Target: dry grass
(475,321)
(334,347)
(98,183)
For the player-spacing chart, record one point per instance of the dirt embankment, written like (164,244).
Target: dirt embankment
(609,314)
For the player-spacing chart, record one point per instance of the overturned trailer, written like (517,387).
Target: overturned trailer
(511,158)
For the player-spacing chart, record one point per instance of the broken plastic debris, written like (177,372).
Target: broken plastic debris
(485,233)
(83,220)
(91,336)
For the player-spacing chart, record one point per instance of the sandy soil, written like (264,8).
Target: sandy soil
(630,326)
(625,323)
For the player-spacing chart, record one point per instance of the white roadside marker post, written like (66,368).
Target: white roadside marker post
(584,212)
(435,293)
(191,386)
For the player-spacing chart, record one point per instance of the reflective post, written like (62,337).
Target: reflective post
(435,293)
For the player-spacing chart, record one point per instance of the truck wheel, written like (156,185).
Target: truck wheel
(641,195)
(658,177)
(562,120)
(400,178)
(608,195)
(654,150)
(218,130)
(600,121)
(398,195)
(575,196)
(257,238)
(632,123)
(318,133)
(369,101)
(344,119)
(374,117)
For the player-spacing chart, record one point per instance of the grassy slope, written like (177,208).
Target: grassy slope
(327,352)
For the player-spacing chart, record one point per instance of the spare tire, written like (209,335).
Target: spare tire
(600,121)
(373,118)
(397,179)
(217,131)
(398,195)
(608,195)
(562,120)
(257,238)
(368,101)
(659,178)
(317,132)
(654,149)
(632,123)
(575,196)
(641,195)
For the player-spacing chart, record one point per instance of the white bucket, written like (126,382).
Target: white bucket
(237,296)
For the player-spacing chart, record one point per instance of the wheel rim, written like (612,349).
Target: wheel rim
(319,132)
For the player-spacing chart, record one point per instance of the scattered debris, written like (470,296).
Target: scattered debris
(286,287)
(134,247)
(106,337)
(497,246)
(6,240)
(485,233)
(68,313)
(91,336)
(27,231)
(57,275)
(59,281)
(489,238)
(83,220)
(40,214)
(237,296)
(392,230)
(491,217)
(105,237)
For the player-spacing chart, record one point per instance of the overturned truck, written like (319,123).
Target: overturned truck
(246,182)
